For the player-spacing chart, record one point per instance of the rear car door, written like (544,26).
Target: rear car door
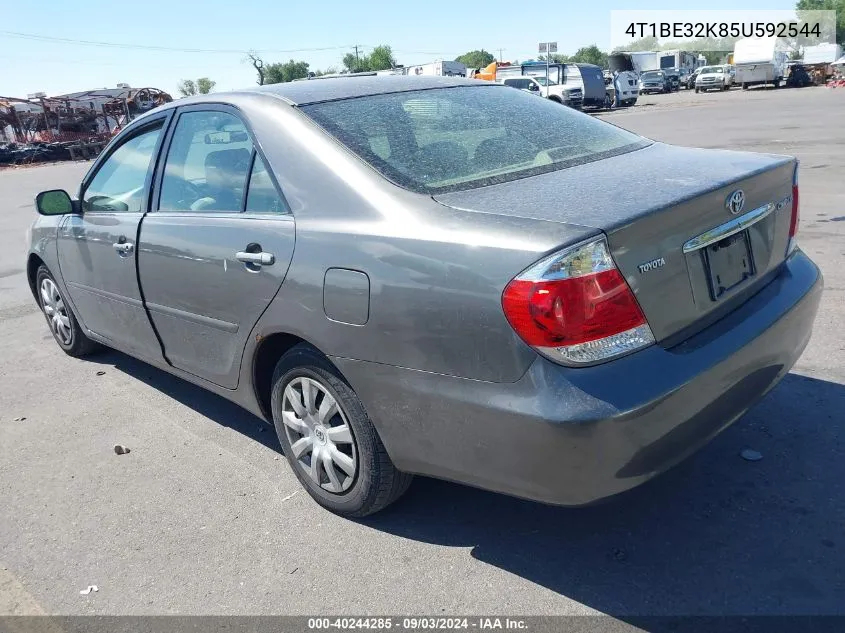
(216,246)
(97,248)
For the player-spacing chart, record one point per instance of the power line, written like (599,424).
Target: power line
(97,64)
(146,47)
(172,49)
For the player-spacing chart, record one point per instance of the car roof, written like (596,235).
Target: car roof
(317,90)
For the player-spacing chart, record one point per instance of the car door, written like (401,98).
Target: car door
(216,246)
(97,247)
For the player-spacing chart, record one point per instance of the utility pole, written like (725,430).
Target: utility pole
(500,55)
(357,61)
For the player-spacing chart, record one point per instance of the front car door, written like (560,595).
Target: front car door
(215,249)
(97,248)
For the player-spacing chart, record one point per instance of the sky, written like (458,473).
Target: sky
(220,32)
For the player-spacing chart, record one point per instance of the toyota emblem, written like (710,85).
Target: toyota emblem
(735,201)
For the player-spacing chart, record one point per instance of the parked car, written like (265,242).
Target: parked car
(692,78)
(713,78)
(684,77)
(393,271)
(674,79)
(654,81)
(567,95)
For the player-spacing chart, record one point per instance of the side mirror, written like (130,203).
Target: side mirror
(54,202)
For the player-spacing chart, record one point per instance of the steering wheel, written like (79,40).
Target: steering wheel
(188,194)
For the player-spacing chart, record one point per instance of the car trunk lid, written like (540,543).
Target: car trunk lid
(653,204)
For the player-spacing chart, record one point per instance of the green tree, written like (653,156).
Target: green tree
(380,58)
(590,55)
(189,87)
(476,59)
(642,44)
(282,72)
(555,58)
(205,85)
(826,5)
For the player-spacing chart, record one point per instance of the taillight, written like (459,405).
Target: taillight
(575,307)
(793,222)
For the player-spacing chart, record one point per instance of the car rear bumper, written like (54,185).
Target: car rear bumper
(574,436)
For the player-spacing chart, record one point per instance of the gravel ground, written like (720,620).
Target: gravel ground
(204,517)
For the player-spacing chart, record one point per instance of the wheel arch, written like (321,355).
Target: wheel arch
(33,263)
(270,349)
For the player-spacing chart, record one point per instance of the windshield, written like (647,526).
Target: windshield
(653,75)
(542,81)
(707,70)
(449,139)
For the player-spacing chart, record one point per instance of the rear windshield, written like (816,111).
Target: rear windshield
(450,139)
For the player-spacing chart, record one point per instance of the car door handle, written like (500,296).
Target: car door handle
(123,248)
(258,259)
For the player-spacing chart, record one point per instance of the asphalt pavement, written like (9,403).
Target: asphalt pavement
(204,516)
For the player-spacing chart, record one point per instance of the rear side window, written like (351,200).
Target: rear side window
(448,139)
(207,164)
(262,196)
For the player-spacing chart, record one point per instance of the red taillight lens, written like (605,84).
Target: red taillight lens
(576,307)
(571,311)
(793,225)
(793,221)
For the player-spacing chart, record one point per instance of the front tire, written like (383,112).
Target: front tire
(60,318)
(329,441)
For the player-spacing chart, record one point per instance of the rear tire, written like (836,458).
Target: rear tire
(340,434)
(697,90)
(60,318)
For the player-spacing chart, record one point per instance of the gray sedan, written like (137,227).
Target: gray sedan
(436,276)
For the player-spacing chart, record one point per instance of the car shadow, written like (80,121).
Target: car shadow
(717,535)
(212,406)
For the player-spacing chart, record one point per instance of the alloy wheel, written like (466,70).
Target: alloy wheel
(56,312)
(319,435)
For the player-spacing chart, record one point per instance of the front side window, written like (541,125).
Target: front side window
(119,184)
(207,164)
(449,139)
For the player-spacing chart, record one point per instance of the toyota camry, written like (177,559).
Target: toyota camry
(436,276)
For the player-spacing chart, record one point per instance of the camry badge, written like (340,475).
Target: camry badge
(735,201)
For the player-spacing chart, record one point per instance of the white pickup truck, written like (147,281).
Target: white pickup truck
(570,96)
